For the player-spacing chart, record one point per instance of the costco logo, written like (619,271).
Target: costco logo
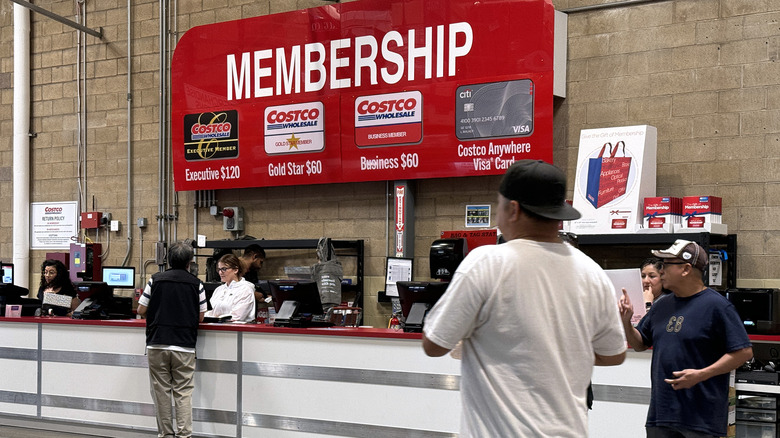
(211,130)
(388,119)
(295,128)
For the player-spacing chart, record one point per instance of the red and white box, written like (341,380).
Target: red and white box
(662,211)
(698,210)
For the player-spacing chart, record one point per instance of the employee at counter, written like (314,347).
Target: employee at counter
(55,279)
(236,297)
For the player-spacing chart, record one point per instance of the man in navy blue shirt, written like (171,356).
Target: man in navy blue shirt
(697,339)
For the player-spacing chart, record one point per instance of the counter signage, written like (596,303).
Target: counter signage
(54,225)
(362,92)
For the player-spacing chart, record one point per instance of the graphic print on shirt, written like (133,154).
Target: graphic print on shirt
(675,324)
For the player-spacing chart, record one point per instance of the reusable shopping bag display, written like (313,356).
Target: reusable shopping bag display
(607,176)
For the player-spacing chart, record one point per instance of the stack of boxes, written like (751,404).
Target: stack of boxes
(672,214)
(662,212)
(698,210)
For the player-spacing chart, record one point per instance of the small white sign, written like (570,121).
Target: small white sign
(478,216)
(54,225)
(631,281)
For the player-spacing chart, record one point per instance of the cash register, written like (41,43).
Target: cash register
(12,294)
(298,304)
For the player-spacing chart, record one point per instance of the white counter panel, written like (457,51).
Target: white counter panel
(110,419)
(211,429)
(617,420)
(19,375)
(396,354)
(212,391)
(95,381)
(220,345)
(261,432)
(85,338)
(18,409)
(635,371)
(394,406)
(16,335)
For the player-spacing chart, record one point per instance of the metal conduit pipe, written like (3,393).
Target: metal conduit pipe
(162,132)
(128,227)
(620,4)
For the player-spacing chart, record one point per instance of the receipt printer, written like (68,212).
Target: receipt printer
(445,256)
(759,309)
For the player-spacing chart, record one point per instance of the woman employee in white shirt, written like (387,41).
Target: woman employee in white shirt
(236,297)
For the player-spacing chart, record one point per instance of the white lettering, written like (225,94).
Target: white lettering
(289,76)
(284,66)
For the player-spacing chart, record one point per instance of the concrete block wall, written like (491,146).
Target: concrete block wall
(704,72)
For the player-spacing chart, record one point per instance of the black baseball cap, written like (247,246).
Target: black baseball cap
(538,187)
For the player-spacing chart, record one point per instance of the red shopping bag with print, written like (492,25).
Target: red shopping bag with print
(607,176)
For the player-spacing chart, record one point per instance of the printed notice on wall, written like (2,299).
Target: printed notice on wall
(53,225)
(398,269)
(477,216)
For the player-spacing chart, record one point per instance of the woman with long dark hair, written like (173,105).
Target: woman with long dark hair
(55,279)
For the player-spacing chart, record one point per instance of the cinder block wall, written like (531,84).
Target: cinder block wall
(705,73)
(702,71)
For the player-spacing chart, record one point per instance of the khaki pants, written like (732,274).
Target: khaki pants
(171,375)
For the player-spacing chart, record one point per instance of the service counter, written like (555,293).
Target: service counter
(255,380)
(251,380)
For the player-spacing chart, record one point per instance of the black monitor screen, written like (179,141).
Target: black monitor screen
(8,273)
(119,276)
(304,292)
(410,292)
(96,290)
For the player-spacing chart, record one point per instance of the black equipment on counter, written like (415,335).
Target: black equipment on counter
(759,309)
(445,256)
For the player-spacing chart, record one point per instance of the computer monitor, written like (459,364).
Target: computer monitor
(305,293)
(417,298)
(95,290)
(119,276)
(7,273)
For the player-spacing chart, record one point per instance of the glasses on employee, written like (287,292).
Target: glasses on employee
(223,269)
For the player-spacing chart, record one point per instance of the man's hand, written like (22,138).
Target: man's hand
(689,377)
(685,379)
(626,309)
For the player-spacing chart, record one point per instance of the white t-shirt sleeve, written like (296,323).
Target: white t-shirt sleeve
(203,306)
(456,314)
(146,295)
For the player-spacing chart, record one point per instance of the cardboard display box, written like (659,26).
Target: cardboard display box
(615,172)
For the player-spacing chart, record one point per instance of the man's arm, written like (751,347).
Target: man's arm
(432,349)
(729,361)
(201,316)
(142,310)
(608,361)
(633,336)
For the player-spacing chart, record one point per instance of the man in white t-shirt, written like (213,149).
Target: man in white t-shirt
(534,315)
